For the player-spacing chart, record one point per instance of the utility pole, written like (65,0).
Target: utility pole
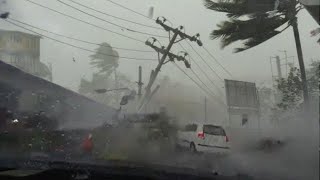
(279,67)
(140,84)
(286,58)
(150,97)
(116,83)
(205,110)
(165,51)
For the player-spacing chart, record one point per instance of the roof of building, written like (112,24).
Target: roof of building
(80,109)
(19,32)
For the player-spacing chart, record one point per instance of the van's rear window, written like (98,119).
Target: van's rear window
(214,130)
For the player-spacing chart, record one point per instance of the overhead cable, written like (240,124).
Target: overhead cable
(215,59)
(205,61)
(76,39)
(207,76)
(116,17)
(80,20)
(109,22)
(124,7)
(81,48)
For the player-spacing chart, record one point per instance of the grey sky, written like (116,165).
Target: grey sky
(251,65)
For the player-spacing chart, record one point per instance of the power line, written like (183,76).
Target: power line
(204,61)
(204,90)
(189,44)
(201,81)
(123,19)
(201,69)
(81,48)
(198,84)
(215,59)
(117,25)
(99,27)
(122,6)
(84,41)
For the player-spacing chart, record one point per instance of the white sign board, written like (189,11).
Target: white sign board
(241,94)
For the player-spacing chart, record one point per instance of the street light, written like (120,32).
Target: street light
(4,15)
(101,91)
(125,99)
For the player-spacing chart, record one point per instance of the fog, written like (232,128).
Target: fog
(294,155)
(286,150)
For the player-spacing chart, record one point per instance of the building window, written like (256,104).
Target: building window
(244,119)
(16,38)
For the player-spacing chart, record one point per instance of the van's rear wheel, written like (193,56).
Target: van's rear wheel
(193,148)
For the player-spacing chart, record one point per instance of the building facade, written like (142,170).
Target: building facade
(22,50)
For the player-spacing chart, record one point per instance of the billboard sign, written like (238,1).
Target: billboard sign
(241,95)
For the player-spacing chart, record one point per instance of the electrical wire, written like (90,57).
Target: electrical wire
(204,84)
(122,6)
(189,44)
(114,24)
(81,48)
(207,76)
(83,41)
(215,59)
(204,61)
(204,90)
(77,19)
(116,17)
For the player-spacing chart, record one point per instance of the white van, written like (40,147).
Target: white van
(204,138)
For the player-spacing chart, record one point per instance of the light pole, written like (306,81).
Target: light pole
(125,99)
(286,58)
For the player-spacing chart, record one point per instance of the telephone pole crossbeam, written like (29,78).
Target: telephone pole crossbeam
(165,51)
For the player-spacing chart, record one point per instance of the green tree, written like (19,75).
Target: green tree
(105,59)
(256,21)
(313,75)
(291,87)
(291,90)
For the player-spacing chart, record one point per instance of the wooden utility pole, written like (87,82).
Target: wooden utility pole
(279,67)
(140,84)
(165,51)
(116,80)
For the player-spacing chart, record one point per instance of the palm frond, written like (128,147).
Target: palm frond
(234,30)
(237,8)
(256,40)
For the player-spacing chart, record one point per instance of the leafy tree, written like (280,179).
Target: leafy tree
(256,21)
(291,90)
(105,59)
(313,75)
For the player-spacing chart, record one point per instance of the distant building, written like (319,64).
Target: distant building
(22,50)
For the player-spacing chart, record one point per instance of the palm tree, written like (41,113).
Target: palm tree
(105,59)
(256,21)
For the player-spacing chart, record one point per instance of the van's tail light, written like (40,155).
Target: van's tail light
(227,139)
(201,135)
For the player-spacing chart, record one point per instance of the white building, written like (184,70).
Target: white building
(22,50)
